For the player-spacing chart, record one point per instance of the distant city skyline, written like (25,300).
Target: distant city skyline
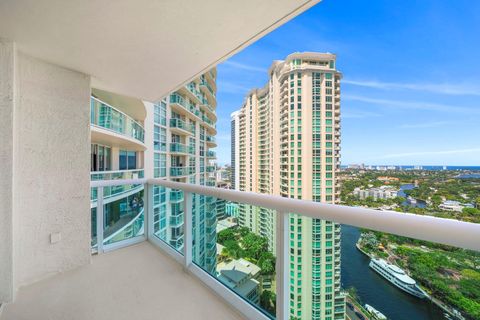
(400,105)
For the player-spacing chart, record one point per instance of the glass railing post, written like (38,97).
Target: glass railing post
(282,267)
(100,220)
(187,228)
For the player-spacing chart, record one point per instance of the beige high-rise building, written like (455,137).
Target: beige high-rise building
(289,143)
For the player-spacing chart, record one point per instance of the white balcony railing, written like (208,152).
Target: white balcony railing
(445,231)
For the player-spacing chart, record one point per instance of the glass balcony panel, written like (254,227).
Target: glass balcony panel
(123,216)
(241,258)
(106,116)
(116,175)
(438,280)
(168,216)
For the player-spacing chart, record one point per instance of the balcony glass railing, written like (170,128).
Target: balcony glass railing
(211,139)
(178,99)
(176,195)
(211,154)
(115,175)
(297,250)
(191,87)
(117,219)
(107,117)
(178,147)
(178,171)
(203,82)
(180,124)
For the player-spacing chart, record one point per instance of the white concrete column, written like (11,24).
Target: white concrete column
(7,78)
(115,158)
(44,176)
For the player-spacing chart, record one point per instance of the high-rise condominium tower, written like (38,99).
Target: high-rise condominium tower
(235,149)
(181,131)
(289,145)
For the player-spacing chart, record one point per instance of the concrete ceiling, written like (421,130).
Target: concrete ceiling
(142,48)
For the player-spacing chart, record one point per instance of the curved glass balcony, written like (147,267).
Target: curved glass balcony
(178,147)
(211,154)
(115,175)
(203,82)
(180,124)
(175,98)
(105,116)
(178,171)
(210,139)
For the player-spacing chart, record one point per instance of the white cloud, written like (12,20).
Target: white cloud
(443,88)
(425,125)
(359,114)
(229,87)
(428,153)
(414,105)
(243,66)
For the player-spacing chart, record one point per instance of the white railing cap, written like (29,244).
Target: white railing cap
(445,231)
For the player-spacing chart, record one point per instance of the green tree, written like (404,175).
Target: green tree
(226,235)
(254,246)
(266,262)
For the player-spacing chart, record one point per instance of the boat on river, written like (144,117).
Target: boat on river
(397,277)
(375,313)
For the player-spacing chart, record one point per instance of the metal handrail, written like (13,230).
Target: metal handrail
(440,230)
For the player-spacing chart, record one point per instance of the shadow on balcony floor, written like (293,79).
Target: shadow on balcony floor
(136,282)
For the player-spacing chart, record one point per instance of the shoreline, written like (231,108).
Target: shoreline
(432,299)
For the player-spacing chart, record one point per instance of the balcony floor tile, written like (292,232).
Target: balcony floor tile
(137,282)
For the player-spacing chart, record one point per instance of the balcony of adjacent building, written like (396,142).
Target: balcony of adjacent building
(180,105)
(211,141)
(113,127)
(181,127)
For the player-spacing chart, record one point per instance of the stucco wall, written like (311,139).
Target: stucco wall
(51,169)
(7,53)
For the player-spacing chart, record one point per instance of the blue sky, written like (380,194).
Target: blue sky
(411,77)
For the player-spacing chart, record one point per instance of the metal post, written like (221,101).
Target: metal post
(282,266)
(100,220)
(187,228)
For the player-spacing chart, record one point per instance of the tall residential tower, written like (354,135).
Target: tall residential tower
(235,150)
(181,131)
(289,145)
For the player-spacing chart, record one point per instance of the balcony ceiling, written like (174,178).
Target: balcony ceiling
(143,48)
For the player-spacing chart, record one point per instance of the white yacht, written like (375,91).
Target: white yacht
(375,313)
(412,200)
(398,277)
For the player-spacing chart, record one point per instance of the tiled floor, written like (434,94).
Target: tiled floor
(134,283)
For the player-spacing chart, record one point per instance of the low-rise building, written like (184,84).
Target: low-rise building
(241,276)
(384,192)
(450,205)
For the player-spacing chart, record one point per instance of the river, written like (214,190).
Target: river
(401,193)
(375,290)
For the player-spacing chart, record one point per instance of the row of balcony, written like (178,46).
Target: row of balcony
(181,171)
(177,99)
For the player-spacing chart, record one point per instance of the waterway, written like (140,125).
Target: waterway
(401,193)
(377,291)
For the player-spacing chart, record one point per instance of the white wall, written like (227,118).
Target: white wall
(7,51)
(50,169)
